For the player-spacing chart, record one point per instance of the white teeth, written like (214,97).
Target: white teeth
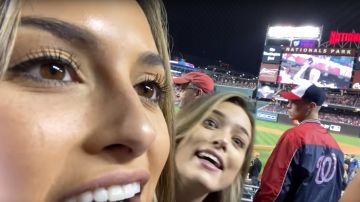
(214,158)
(100,195)
(112,193)
(86,197)
(71,200)
(117,193)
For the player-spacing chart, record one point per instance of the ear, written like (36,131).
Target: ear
(199,92)
(312,105)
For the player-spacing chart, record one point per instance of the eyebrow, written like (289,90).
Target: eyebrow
(75,34)
(219,113)
(151,58)
(64,30)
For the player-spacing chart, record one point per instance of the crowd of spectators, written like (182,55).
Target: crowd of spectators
(279,108)
(346,100)
(243,83)
(340,117)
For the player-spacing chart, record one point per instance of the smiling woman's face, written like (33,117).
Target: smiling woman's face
(79,104)
(212,153)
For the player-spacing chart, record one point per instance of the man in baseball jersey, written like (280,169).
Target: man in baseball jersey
(307,164)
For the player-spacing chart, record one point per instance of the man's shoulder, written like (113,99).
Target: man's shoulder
(292,132)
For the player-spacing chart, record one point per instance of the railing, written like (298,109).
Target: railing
(248,193)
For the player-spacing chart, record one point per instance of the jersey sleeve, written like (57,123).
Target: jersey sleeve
(275,181)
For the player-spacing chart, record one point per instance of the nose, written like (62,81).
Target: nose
(124,128)
(221,140)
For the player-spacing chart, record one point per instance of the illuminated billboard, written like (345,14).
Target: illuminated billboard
(272,55)
(268,72)
(338,37)
(356,80)
(305,43)
(329,71)
(265,91)
(290,32)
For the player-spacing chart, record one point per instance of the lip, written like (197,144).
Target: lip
(120,177)
(215,153)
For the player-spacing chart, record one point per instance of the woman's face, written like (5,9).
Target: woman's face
(79,107)
(213,153)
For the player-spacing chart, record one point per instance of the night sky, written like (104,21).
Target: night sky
(206,31)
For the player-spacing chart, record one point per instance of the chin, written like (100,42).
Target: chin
(208,183)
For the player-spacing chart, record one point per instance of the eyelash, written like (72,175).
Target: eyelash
(241,144)
(34,59)
(46,55)
(207,121)
(161,88)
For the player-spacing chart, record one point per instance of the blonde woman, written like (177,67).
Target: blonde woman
(85,103)
(214,137)
(9,17)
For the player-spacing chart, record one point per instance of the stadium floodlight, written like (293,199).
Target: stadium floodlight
(289,32)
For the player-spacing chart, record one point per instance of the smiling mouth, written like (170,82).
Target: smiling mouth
(213,159)
(121,193)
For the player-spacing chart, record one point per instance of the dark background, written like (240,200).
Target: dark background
(233,32)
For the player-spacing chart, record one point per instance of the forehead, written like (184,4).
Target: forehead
(234,114)
(79,11)
(107,19)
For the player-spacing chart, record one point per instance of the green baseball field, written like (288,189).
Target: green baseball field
(268,133)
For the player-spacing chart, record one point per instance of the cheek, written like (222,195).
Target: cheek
(32,137)
(157,154)
(236,163)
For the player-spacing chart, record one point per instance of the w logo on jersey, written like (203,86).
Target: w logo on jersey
(326,168)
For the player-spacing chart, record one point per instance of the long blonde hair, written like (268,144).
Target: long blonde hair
(195,113)
(9,19)
(156,16)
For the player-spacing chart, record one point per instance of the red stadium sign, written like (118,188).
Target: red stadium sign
(268,72)
(337,37)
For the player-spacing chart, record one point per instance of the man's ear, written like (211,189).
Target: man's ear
(312,105)
(199,92)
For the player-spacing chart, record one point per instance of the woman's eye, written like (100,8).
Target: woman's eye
(149,90)
(52,71)
(210,124)
(238,142)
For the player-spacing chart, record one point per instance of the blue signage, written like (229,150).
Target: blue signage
(267,116)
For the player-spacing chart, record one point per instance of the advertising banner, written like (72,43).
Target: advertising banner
(272,55)
(356,80)
(305,43)
(321,51)
(268,72)
(266,116)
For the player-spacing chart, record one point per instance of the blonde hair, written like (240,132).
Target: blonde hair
(156,15)
(9,19)
(195,113)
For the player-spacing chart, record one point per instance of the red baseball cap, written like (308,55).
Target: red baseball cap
(199,79)
(306,91)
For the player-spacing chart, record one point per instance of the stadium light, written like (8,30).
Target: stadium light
(289,32)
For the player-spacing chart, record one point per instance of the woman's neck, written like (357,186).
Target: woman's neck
(190,192)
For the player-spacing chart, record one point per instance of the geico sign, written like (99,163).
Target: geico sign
(332,127)
(266,116)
